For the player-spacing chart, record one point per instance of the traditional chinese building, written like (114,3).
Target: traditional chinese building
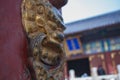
(93,42)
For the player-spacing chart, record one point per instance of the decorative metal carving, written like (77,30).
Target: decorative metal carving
(44,28)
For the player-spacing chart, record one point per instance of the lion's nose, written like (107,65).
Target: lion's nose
(59,36)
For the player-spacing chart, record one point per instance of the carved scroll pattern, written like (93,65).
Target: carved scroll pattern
(44,27)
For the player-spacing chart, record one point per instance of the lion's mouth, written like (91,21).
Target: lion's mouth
(51,63)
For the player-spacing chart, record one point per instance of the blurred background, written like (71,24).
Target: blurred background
(92,39)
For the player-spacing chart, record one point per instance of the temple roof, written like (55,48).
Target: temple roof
(94,22)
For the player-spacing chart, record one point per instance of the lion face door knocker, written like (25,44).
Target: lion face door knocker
(44,27)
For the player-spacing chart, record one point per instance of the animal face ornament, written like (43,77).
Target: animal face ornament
(44,27)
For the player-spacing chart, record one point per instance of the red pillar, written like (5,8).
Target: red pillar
(13,44)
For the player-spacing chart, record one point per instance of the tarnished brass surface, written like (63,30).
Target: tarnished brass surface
(44,27)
